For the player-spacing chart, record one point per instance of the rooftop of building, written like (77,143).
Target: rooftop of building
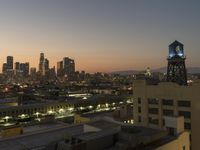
(101,114)
(96,99)
(39,136)
(103,124)
(42,135)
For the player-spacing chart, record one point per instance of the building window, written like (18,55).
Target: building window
(186,114)
(167,112)
(163,121)
(153,101)
(139,110)
(153,121)
(183,147)
(153,110)
(139,100)
(139,119)
(168,102)
(187,126)
(184,103)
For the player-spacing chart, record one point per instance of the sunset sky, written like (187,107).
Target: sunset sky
(101,35)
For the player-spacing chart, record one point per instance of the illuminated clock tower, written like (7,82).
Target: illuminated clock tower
(176,70)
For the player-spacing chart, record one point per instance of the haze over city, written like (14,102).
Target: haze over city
(100,35)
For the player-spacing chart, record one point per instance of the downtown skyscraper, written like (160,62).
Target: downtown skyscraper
(66,67)
(43,64)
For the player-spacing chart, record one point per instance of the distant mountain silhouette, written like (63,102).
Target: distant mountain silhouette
(127,72)
(192,70)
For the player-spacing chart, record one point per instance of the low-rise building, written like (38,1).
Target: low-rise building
(104,133)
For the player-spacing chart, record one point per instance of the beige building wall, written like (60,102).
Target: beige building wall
(181,143)
(80,119)
(149,108)
(11,131)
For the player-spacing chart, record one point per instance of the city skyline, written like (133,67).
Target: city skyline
(99,35)
(99,74)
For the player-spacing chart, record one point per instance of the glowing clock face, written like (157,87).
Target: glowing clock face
(178,49)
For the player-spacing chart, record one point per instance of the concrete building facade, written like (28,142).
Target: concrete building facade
(154,102)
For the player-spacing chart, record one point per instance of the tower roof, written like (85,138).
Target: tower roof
(175,43)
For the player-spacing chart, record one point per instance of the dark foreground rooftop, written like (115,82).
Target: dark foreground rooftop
(99,134)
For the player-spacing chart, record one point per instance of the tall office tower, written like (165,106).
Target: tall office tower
(22,68)
(33,72)
(41,63)
(17,68)
(26,70)
(59,68)
(68,66)
(52,73)
(17,65)
(46,65)
(10,62)
(4,68)
(176,71)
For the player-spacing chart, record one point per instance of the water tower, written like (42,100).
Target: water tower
(176,70)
